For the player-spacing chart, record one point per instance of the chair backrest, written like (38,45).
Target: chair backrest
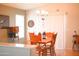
(38,37)
(14,29)
(55,35)
(52,36)
(34,38)
(49,35)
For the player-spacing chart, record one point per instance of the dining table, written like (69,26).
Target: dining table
(45,41)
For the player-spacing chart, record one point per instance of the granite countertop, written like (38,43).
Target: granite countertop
(18,45)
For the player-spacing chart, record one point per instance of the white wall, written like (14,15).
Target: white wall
(56,24)
(11,12)
(72,18)
(52,23)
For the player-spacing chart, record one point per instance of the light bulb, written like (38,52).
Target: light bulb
(42,12)
(38,12)
(46,13)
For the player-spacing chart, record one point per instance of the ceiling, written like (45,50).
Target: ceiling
(24,6)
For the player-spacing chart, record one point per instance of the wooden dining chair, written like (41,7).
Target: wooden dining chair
(16,31)
(35,39)
(50,47)
(13,32)
(77,42)
(32,38)
(54,40)
(53,44)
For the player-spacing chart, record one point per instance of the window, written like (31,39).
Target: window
(20,23)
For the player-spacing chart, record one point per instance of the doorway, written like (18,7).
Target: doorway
(57,23)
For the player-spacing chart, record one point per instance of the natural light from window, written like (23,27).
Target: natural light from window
(20,23)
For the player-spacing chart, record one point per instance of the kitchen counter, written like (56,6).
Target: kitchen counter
(13,49)
(3,35)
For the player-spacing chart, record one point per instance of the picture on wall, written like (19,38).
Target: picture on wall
(4,21)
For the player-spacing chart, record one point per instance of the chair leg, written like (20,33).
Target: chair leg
(39,53)
(18,39)
(38,50)
(53,51)
(44,52)
(73,46)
